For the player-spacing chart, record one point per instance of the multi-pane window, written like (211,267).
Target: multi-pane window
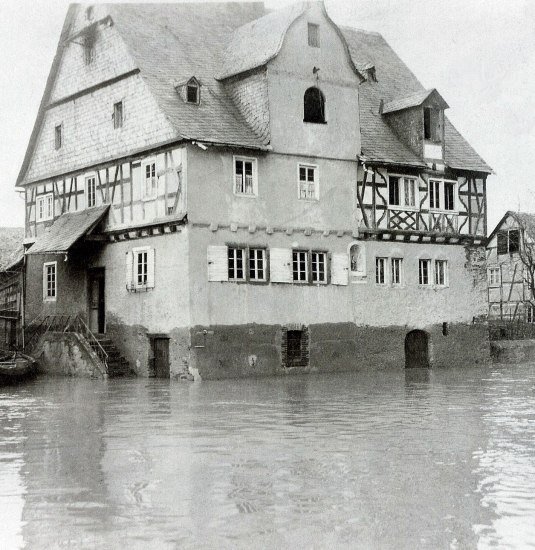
(58,136)
(118,114)
(245,176)
(313,35)
(449,195)
(141,267)
(257,264)
(424,272)
(308,182)
(236,264)
(91,191)
(530,314)
(300,266)
(49,281)
(434,194)
(45,207)
(319,267)
(441,272)
(150,181)
(380,271)
(402,191)
(508,241)
(494,276)
(395,270)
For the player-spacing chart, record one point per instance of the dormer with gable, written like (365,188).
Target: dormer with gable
(418,120)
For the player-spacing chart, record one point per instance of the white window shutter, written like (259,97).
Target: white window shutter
(129,269)
(280,265)
(150,267)
(217,263)
(339,269)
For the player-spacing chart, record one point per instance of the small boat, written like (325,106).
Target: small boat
(16,367)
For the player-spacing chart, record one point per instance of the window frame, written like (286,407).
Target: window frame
(442,196)
(144,165)
(47,202)
(384,261)
(254,170)
(136,253)
(322,106)
(325,255)
(234,249)
(306,280)
(445,273)
(118,107)
(429,263)
(316,182)
(398,283)
(46,296)
(313,37)
(194,86)
(87,194)
(497,280)
(401,192)
(247,271)
(58,136)
(432,132)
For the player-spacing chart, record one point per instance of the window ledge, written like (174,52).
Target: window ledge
(314,122)
(246,195)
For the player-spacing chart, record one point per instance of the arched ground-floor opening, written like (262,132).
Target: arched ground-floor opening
(417,349)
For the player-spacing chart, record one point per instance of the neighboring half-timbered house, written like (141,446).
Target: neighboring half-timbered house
(226,190)
(510,268)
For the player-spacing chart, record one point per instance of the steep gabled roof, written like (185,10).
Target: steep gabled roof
(173,42)
(11,248)
(394,81)
(170,43)
(525,221)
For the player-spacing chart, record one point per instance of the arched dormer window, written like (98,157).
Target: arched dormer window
(314,106)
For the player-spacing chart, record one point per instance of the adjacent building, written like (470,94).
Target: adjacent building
(225,190)
(510,268)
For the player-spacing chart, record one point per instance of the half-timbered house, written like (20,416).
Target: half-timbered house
(510,269)
(226,190)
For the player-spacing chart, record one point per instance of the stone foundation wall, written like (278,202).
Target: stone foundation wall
(258,350)
(67,354)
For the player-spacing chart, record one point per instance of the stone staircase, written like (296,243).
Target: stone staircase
(117,364)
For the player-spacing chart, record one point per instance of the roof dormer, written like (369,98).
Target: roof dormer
(189,91)
(418,119)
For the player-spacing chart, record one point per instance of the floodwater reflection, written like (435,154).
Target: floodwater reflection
(395,459)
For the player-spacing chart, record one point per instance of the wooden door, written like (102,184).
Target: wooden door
(161,357)
(97,301)
(417,349)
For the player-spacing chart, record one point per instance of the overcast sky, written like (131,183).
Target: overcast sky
(479,54)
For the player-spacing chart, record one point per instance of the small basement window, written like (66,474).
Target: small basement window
(295,348)
(314,106)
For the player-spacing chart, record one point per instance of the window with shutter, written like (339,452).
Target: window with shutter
(339,269)
(217,256)
(280,265)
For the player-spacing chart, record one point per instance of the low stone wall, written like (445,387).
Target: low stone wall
(513,351)
(257,350)
(67,354)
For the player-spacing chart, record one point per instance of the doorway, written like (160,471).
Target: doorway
(160,348)
(97,301)
(417,350)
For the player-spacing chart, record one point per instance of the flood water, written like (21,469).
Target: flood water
(367,460)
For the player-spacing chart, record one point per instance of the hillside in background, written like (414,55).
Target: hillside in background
(10,245)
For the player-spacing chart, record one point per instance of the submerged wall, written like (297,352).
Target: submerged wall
(225,351)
